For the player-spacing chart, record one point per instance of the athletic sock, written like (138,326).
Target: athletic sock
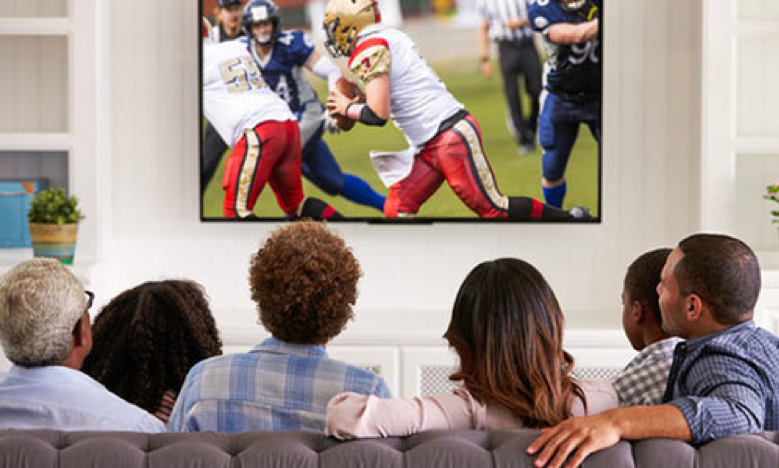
(358,191)
(526,208)
(555,195)
(315,208)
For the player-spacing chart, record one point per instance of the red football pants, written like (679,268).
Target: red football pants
(457,156)
(268,153)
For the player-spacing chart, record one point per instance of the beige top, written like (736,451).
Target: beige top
(350,415)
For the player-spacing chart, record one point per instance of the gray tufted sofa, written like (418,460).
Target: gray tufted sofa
(48,448)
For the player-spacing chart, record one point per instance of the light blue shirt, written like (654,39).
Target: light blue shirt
(57,397)
(275,386)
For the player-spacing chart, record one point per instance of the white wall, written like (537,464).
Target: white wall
(650,182)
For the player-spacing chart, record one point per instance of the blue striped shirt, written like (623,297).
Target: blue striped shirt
(275,386)
(727,383)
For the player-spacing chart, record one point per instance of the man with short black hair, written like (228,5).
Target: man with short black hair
(45,332)
(724,379)
(304,281)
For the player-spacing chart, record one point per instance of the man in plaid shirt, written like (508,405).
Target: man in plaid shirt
(643,380)
(724,379)
(304,280)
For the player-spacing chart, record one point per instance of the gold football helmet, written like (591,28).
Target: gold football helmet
(344,19)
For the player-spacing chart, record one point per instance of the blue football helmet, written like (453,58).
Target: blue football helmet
(261,10)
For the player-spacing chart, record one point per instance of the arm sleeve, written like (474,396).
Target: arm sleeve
(178,415)
(382,391)
(150,424)
(351,415)
(326,69)
(728,399)
(371,60)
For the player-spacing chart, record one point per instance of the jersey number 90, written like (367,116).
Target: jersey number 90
(580,53)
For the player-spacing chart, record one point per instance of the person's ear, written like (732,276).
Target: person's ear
(637,311)
(694,307)
(82,333)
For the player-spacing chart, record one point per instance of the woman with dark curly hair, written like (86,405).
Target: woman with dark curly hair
(304,281)
(507,329)
(147,338)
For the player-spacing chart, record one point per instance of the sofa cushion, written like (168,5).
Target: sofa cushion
(467,448)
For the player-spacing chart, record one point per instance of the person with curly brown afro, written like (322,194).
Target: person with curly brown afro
(304,281)
(146,340)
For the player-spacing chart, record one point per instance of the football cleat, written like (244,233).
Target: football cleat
(580,212)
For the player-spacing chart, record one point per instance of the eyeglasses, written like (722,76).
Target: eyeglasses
(90,300)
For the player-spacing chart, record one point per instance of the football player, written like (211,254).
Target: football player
(281,55)
(228,20)
(228,27)
(260,129)
(572,84)
(445,139)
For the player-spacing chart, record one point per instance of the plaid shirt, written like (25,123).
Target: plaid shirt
(643,380)
(727,383)
(275,386)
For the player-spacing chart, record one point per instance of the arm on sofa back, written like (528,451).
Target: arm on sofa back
(466,448)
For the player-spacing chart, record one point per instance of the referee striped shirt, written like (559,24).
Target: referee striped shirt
(499,12)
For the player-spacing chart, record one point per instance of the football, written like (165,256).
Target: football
(350,90)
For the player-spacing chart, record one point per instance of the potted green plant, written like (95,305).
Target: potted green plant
(772,191)
(53,219)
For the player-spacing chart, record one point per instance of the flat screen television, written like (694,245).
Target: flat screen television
(350,179)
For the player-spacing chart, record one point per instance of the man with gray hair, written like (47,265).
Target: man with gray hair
(46,334)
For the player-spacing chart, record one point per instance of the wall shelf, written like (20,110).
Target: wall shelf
(35,141)
(35,26)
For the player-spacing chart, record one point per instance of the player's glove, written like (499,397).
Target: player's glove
(330,124)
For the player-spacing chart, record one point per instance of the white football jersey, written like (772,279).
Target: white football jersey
(419,100)
(235,96)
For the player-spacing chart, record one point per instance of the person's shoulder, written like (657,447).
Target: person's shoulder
(544,13)
(221,364)
(295,41)
(599,394)
(125,414)
(356,376)
(741,336)
(766,336)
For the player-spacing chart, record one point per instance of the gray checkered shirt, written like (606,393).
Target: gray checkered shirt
(643,380)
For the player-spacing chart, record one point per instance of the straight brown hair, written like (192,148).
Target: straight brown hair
(507,328)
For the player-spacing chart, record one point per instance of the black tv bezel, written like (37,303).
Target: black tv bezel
(392,221)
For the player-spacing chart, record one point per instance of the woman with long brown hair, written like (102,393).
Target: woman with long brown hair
(507,329)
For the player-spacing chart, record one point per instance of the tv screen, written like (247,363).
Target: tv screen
(433,128)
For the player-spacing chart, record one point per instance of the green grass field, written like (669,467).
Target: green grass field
(516,174)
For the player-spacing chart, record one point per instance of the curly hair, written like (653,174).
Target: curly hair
(507,329)
(148,337)
(304,281)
